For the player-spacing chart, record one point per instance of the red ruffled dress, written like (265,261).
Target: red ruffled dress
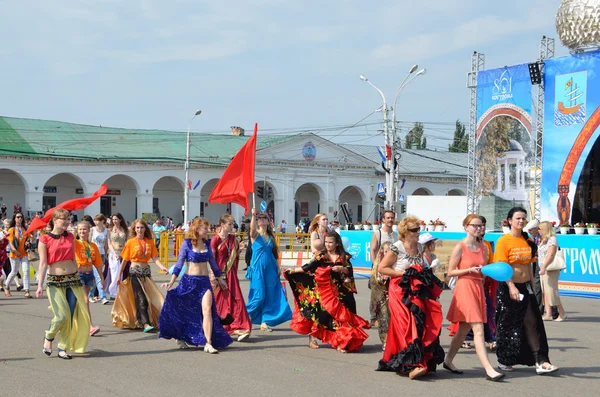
(324,304)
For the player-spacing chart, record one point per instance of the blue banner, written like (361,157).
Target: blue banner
(571,119)
(582,253)
(504,87)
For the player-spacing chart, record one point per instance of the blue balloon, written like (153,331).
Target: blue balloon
(346,242)
(181,273)
(499,271)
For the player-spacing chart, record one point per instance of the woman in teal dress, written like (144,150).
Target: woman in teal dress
(267,304)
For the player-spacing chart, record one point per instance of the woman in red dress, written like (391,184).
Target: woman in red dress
(412,346)
(226,250)
(468,306)
(324,291)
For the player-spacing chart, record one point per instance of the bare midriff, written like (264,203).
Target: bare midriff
(62,268)
(520,273)
(197,269)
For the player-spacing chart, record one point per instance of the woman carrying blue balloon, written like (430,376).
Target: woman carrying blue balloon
(468,306)
(521,336)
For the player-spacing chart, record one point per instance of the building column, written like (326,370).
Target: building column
(499,176)
(518,174)
(288,205)
(144,204)
(506,175)
(193,206)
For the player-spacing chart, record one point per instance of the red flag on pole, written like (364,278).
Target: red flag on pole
(69,205)
(238,179)
(189,184)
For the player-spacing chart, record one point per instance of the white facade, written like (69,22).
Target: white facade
(303,182)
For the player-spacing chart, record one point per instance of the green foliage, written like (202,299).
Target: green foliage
(415,138)
(460,144)
(494,141)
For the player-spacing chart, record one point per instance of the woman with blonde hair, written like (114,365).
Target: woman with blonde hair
(546,254)
(117,236)
(230,301)
(317,230)
(412,345)
(67,300)
(138,301)
(468,306)
(189,314)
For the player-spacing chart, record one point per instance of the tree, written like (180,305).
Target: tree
(424,143)
(460,143)
(494,141)
(414,139)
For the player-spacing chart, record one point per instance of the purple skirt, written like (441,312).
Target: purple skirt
(181,315)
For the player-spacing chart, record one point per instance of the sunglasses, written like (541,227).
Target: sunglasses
(18,216)
(414,229)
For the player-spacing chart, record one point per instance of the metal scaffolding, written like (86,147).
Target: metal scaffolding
(477,64)
(546,52)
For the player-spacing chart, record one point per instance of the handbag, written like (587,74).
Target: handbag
(558,263)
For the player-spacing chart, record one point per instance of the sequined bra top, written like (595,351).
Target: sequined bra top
(187,254)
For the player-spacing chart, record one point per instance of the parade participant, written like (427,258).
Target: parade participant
(67,300)
(117,239)
(412,345)
(324,291)
(267,305)
(317,230)
(468,306)
(489,287)
(230,301)
(547,251)
(379,283)
(521,336)
(189,314)
(138,301)
(99,236)
(18,253)
(533,229)
(87,257)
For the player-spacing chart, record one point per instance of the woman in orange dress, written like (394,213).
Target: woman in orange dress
(468,302)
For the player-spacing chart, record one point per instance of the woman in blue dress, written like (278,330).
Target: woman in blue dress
(189,314)
(267,304)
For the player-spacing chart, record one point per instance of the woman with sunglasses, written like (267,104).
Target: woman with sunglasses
(147,302)
(468,302)
(18,253)
(267,304)
(412,345)
(189,314)
(65,293)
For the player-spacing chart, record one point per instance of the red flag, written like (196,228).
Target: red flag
(189,184)
(69,205)
(238,179)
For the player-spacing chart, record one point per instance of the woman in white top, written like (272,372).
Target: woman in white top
(546,253)
(412,346)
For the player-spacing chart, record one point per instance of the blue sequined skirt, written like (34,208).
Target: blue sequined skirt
(181,315)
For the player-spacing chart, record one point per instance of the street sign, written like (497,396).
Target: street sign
(401,198)
(263,206)
(381,188)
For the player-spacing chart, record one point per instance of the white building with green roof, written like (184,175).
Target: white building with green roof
(43,163)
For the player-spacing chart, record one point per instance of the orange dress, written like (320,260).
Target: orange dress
(468,301)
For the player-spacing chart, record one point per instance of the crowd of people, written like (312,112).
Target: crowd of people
(206,308)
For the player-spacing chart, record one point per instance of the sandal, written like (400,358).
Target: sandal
(312,343)
(342,350)
(492,346)
(7,292)
(148,329)
(63,354)
(27,295)
(265,328)
(466,345)
(94,331)
(545,368)
(47,352)
(547,318)
(208,348)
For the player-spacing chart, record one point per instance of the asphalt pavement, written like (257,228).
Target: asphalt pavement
(131,363)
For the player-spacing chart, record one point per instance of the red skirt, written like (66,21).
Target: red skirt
(415,322)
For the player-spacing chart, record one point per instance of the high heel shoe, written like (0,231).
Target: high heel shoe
(63,354)
(47,352)
(208,348)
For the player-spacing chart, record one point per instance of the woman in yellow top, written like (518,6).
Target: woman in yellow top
(138,301)
(520,333)
(87,256)
(18,253)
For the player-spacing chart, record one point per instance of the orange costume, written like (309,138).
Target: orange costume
(87,254)
(468,301)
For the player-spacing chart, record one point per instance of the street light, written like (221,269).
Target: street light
(389,179)
(186,189)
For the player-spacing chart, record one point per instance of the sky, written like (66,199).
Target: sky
(290,66)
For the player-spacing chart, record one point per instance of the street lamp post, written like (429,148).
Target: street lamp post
(389,179)
(186,189)
(405,82)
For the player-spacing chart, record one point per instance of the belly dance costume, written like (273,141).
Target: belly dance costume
(181,316)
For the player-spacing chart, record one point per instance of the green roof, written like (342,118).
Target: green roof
(44,138)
